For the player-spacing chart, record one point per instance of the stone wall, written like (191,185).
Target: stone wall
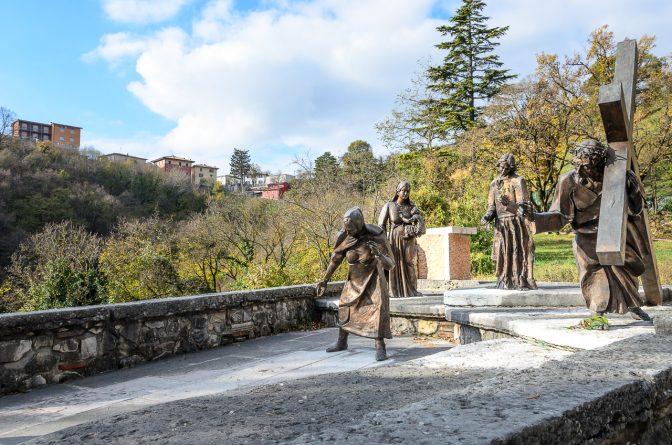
(43,347)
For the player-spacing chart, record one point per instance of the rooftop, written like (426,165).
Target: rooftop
(175,158)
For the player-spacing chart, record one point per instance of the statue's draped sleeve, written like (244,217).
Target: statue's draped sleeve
(562,209)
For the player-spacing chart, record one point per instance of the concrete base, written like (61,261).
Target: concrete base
(547,295)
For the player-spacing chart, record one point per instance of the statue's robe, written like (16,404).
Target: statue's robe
(513,245)
(403,279)
(605,288)
(364,306)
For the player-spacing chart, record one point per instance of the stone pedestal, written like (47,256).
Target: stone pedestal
(443,253)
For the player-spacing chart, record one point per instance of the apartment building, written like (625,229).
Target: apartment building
(61,134)
(125,159)
(204,175)
(172,163)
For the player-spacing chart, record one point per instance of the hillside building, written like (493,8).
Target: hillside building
(172,163)
(60,134)
(204,175)
(125,159)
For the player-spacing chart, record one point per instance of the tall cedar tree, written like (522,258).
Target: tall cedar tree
(240,164)
(470,72)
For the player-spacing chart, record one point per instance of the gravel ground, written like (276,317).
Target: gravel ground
(288,412)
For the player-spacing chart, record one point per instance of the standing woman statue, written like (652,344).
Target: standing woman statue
(406,224)
(513,246)
(364,306)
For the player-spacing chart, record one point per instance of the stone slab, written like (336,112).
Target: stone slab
(497,392)
(547,295)
(249,364)
(554,326)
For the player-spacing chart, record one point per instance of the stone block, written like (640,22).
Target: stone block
(427,327)
(464,334)
(69,332)
(401,325)
(89,347)
(662,324)
(159,324)
(67,345)
(42,341)
(14,350)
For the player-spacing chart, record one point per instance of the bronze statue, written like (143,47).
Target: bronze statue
(406,224)
(364,306)
(606,288)
(513,246)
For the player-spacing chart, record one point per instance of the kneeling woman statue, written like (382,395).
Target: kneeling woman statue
(364,306)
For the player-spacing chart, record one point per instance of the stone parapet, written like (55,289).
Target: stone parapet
(43,347)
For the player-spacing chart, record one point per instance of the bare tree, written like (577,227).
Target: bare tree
(7,117)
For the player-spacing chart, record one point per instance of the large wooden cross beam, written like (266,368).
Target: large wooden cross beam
(617,108)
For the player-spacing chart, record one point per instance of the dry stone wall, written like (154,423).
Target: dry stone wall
(43,347)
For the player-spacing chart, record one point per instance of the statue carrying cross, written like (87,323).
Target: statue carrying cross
(603,200)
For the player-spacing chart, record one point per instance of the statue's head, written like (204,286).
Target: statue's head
(353,221)
(589,158)
(506,165)
(403,191)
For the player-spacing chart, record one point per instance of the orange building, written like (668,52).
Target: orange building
(59,134)
(66,134)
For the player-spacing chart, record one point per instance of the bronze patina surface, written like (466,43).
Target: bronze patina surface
(578,198)
(404,223)
(513,246)
(364,306)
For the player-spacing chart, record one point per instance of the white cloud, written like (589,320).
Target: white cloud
(292,76)
(313,75)
(117,46)
(142,11)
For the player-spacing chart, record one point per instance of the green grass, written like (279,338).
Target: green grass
(554,260)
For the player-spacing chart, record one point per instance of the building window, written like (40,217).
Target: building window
(62,129)
(46,129)
(45,137)
(61,138)
(169,162)
(200,175)
(72,140)
(72,131)
(24,126)
(36,127)
(24,134)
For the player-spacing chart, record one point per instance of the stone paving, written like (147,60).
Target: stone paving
(263,361)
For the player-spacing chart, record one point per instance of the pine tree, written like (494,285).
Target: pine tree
(240,165)
(326,165)
(471,72)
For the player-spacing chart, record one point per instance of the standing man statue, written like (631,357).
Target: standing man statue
(513,246)
(364,306)
(606,288)
(406,224)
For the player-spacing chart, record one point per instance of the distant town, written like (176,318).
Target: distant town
(263,185)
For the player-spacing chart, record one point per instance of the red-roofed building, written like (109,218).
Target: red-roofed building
(274,191)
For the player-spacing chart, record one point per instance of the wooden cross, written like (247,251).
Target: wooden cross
(617,108)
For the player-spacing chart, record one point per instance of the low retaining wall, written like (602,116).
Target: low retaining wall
(43,347)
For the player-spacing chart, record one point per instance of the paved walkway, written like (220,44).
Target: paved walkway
(243,365)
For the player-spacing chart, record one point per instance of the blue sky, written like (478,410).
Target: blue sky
(281,78)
